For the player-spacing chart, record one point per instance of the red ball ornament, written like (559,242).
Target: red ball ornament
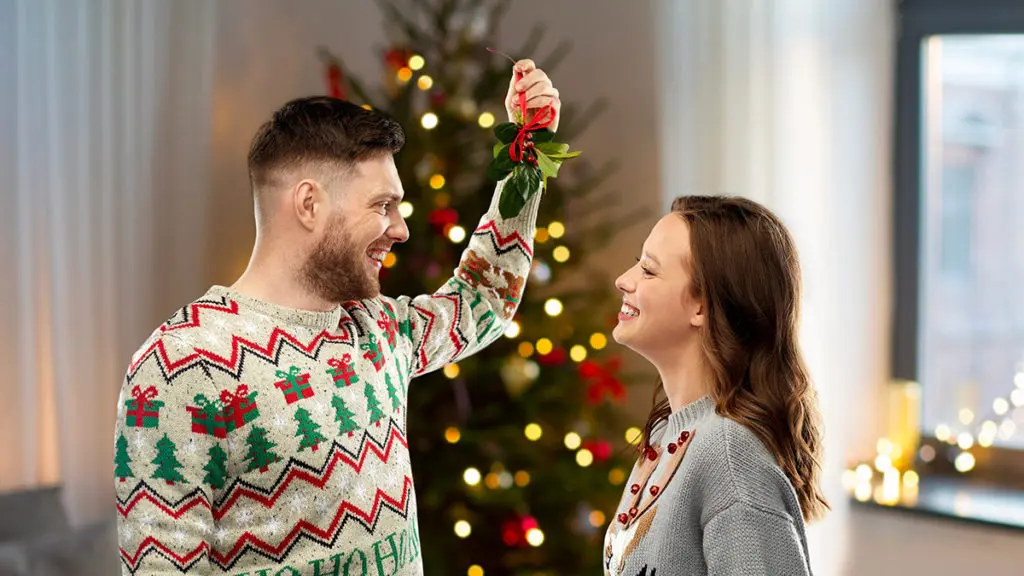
(397,57)
(555,357)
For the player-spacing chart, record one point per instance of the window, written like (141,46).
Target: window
(959,220)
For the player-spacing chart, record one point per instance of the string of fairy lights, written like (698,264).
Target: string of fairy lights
(499,478)
(895,458)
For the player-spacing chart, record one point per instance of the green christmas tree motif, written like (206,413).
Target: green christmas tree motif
(392,393)
(308,430)
(405,328)
(373,405)
(260,456)
(166,463)
(344,415)
(122,470)
(216,468)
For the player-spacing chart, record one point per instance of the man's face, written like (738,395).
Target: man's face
(363,224)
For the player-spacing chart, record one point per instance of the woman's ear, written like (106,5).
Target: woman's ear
(697,318)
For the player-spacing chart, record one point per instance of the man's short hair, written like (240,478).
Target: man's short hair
(320,129)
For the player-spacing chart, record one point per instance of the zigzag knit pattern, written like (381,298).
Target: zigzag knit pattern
(253,439)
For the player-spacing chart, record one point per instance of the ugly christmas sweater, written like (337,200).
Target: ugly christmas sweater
(253,439)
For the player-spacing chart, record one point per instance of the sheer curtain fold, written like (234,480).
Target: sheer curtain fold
(86,143)
(787,102)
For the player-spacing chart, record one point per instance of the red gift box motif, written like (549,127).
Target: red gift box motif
(389,324)
(343,370)
(143,411)
(295,386)
(373,352)
(207,417)
(239,408)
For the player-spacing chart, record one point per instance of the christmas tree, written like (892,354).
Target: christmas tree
(122,470)
(216,468)
(392,393)
(513,448)
(166,463)
(344,415)
(373,405)
(260,456)
(308,430)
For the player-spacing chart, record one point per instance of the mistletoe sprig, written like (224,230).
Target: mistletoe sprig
(526,154)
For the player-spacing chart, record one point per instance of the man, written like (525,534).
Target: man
(261,429)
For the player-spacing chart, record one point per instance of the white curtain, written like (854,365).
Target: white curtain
(100,101)
(788,102)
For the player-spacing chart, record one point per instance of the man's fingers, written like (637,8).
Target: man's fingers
(525,66)
(532,79)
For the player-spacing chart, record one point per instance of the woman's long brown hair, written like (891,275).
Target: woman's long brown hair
(745,272)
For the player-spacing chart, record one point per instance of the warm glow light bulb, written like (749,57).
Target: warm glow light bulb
(572,440)
(584,457)
(471,476)
(512,330)
(553,307)
(463,529)
(416,62)
(633,435)
(429,121)
(451,370)
(535,537)
(598,341)
(556,229)
(578,353)
(964,462)
(452,434)
(533,431)
(486,120)
(560,254)
(457,234)
(544,346)
(405,209)
(425,82)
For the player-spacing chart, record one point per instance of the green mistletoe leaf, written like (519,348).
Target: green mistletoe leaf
(497,148)
(541,136)
(548,167)
(501,165)
(564,156)
(550,148)
(523,184)
(506,132)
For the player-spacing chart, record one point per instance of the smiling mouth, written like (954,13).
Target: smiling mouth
(628,312)
(377,257)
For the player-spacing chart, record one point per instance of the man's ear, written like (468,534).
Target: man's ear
(308,202)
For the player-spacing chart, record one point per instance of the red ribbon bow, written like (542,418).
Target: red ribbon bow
(240,394)
(541,119)
(347,358)
(142,397)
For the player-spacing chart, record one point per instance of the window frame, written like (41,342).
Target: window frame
(917,20)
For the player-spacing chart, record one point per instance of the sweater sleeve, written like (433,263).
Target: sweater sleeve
(164,471)
(742,540)
(473,308)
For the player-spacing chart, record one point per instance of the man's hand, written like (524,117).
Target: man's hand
(538,89)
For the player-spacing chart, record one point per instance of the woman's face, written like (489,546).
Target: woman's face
(659,311)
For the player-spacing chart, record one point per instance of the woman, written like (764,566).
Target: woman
(729,459)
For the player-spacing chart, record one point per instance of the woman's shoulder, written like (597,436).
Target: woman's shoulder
(733,465)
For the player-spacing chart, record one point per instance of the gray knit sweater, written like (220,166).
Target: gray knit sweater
(712,501)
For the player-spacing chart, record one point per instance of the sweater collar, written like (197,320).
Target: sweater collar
(282,314)
(687,416)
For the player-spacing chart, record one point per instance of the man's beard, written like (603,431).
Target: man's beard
(337,270)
